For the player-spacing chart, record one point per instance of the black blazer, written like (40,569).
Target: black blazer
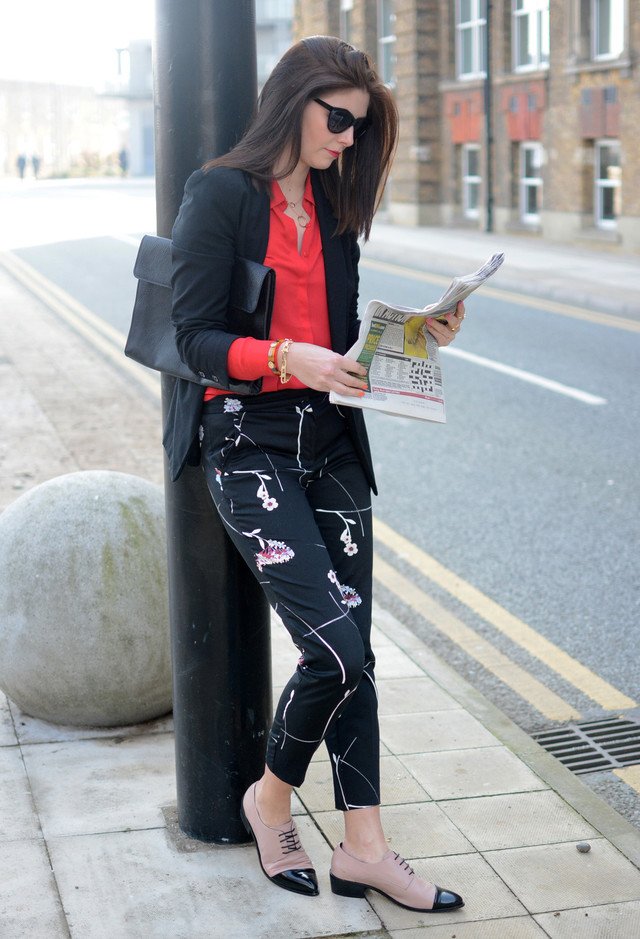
(223,216)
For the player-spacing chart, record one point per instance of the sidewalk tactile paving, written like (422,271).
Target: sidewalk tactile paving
(456,774)
(162,892)
(434,730)
(417,831)
(91,786)
(517,927)
(556,877)
(517,819)
(412,695)
(29,905)
(397,785)
(610,921)
(485,895)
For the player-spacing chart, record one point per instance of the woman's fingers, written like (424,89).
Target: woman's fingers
(445,332)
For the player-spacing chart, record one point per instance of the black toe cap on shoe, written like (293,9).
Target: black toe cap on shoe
(299,881)
(447,900)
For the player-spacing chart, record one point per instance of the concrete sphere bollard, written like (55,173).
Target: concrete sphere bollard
(84,634)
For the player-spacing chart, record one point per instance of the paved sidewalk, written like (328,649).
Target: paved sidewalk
(579,276)
(88,842)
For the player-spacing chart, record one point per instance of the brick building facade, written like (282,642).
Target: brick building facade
(563,157)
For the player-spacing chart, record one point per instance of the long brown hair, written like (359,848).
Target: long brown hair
(309,69)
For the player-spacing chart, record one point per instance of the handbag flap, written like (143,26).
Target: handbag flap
(153,262)
(153,265)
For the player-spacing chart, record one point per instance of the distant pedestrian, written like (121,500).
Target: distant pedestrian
(21,164)
(123,160)
(35,163)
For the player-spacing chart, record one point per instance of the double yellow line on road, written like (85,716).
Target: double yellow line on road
(110,342)
(549,703)
(101,335)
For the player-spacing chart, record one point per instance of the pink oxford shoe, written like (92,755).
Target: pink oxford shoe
(281,856)
(393,878)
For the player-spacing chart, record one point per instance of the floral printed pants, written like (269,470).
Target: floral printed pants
(292,494)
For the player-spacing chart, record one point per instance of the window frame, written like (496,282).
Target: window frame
(467,180)
(346,25)
(540,22)
(529,182)
(600,184)
(386,41)
(594,7)
(477,26)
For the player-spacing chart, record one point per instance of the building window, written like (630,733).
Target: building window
(530,34)
(470,180)
(471,29)
(346,13)
(607,28)
(608,195)
(386,42)
(531,156)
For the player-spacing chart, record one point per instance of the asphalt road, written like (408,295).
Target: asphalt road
(529,493)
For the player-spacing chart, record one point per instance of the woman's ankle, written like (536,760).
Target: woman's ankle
(369,852)
(273,808)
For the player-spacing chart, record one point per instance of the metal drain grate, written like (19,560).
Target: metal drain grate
(593,745)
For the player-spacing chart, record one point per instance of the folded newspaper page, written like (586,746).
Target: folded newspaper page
(401,356)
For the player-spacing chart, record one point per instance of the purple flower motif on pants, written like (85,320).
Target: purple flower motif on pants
(273,552)
(349,596)
(232,405)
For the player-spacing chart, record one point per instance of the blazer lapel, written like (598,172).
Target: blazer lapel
(334,267)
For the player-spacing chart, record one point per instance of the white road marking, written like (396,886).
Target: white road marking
(530,377)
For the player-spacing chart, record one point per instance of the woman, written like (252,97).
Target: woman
(291,474)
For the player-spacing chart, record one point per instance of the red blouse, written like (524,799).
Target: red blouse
(300,302)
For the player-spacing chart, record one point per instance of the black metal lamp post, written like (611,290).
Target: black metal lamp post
(205,91)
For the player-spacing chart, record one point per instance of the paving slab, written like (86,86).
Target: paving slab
(162,893)
(610,921)
(516,927)
(88,786)
(397,785)
(7,732)
(558,877)
(18,819)
(486,895)
(30,907)
(422,830)
(457,774)
(33,730)
(517,819)
(433,730)
(411,695)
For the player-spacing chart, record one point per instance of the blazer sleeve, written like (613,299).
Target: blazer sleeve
(204,247)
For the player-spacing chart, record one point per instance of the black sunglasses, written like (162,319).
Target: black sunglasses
(340,120)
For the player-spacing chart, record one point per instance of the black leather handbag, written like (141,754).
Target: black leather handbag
(152,335)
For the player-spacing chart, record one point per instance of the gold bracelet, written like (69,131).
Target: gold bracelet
(272,358)
(284,378)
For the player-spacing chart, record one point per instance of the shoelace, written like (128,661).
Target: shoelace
(289,840)
(404,863)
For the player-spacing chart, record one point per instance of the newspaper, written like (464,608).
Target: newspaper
(402,358)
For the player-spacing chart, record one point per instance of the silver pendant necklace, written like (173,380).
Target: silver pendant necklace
(301,219)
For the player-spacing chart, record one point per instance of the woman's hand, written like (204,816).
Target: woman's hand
(444,333)
(324,370)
